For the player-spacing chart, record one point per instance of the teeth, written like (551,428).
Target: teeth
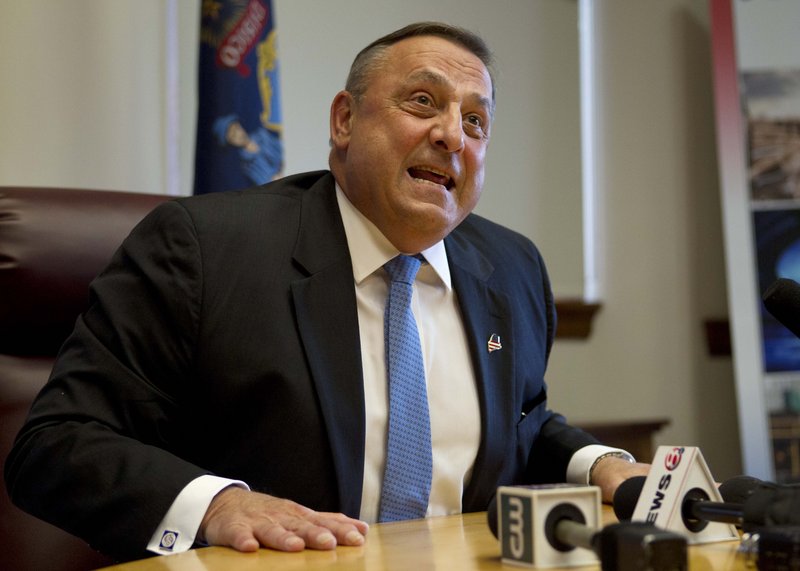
(434,171)
(430,182)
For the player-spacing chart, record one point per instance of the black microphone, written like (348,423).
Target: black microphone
(737,489)
(772,505)
(772,548)
(782,300)
(627,496)
(696,502)
(628,546)
(748,502)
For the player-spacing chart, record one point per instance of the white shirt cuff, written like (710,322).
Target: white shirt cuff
(582,461)
(177,530)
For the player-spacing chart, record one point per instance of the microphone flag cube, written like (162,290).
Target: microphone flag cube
(676,471)
(527,517)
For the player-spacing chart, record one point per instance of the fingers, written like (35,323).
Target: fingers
(315,530)
(611,472)
(345,530)
(246,520)
(239,537)
(294,535)
(276,536)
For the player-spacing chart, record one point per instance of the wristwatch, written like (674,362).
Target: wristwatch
(616,453)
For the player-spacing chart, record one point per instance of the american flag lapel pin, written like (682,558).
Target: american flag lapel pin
(494,343)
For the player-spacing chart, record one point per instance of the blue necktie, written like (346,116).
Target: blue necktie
(407,478)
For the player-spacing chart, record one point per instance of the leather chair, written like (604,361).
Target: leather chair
(53,242)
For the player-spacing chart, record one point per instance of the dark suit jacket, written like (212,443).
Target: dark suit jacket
(223,338)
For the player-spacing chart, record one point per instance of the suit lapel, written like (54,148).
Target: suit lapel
(327,319)
(485,312)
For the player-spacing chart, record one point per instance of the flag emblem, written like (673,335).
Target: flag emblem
(239,125)
(494,343)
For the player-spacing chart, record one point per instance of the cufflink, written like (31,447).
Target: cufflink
(168,540)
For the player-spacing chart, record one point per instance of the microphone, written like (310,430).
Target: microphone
(628,546)
(748,502)
(772,548)
(768,513)
(696,502)
(627,496)
(737,489)
(772,505)
(782,300)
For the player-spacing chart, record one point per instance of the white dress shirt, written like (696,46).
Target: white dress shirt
(452,393)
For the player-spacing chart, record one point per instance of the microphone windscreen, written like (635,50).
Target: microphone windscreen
(626,497)
(782,300)
(772,505)
(491,515)
(737,489)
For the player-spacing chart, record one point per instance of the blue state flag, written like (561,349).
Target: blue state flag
(239,114)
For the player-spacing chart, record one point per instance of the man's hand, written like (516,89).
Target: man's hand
(246,520)
(611,471)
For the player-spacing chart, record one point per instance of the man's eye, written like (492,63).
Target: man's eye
(423,99)
(475,120)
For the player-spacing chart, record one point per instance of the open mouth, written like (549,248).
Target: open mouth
(432,175)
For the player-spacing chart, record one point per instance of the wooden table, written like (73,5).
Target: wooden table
(462,543)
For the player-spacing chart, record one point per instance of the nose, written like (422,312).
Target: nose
(448,133)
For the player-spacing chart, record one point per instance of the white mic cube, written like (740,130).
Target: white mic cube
(677,470)
(527,517)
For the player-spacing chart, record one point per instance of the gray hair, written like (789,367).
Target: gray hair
(374,54)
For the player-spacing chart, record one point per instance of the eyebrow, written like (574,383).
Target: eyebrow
(442,81)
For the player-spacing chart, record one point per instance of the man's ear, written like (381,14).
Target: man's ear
(342,111)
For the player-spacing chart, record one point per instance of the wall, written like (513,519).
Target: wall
(80,94)
(82,104)
(663,253)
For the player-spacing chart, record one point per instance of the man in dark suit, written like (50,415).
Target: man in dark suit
(227,385)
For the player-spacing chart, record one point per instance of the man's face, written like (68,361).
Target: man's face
(413,147)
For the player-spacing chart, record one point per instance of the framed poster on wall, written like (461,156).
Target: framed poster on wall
(757,92)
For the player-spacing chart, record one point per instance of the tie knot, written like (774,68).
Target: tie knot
(403,268)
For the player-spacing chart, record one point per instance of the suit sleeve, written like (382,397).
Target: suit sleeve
(557,441)
(92,457)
